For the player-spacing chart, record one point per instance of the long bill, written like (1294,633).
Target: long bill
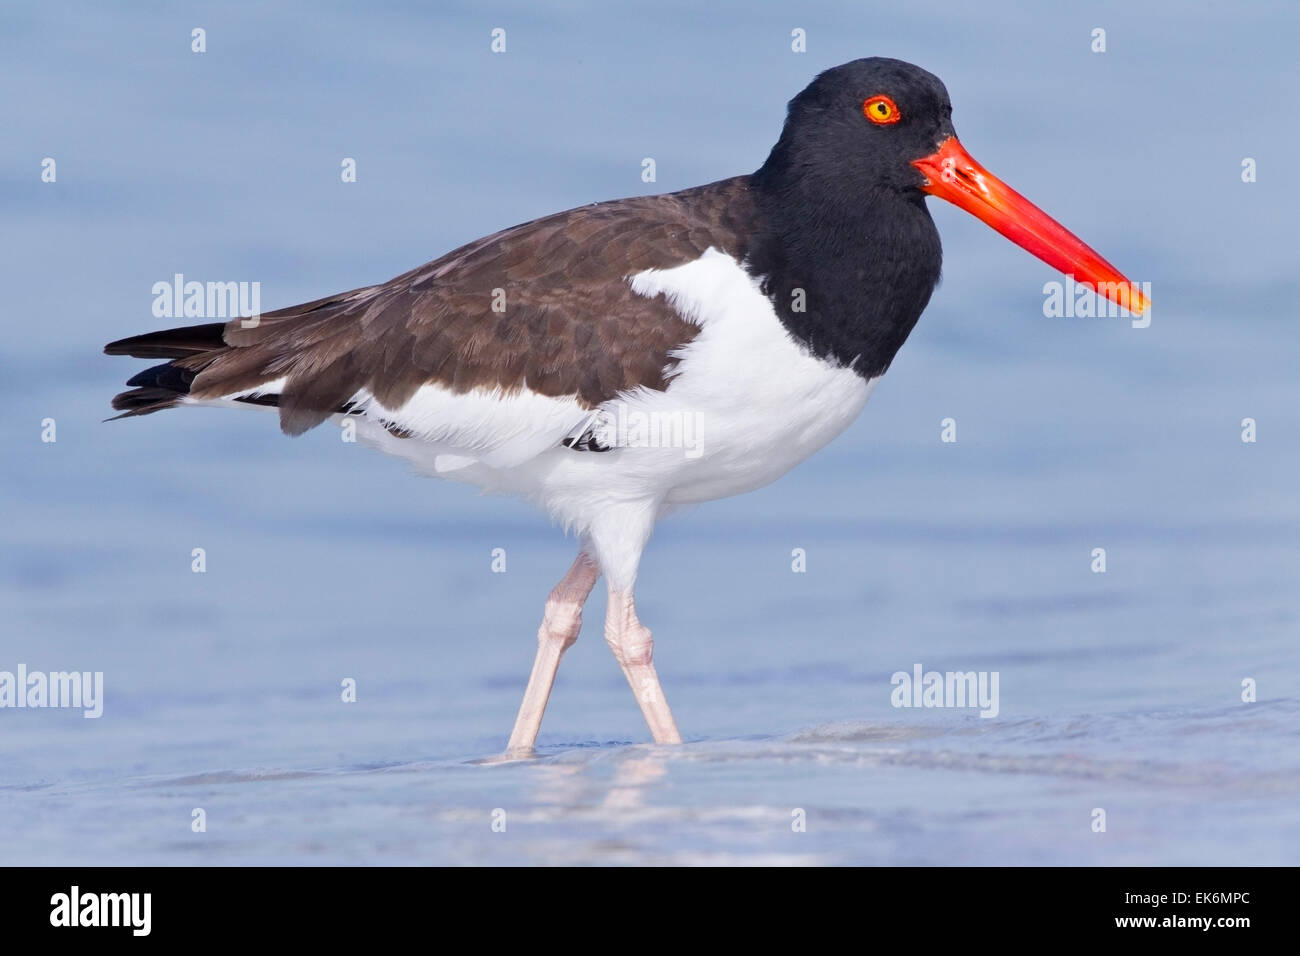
(952,174)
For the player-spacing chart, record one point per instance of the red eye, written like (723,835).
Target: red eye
(881,109)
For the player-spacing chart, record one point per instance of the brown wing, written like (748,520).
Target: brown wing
(545,305)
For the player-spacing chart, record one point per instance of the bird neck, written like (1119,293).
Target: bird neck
(848,270)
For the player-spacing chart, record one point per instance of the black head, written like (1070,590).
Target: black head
(844,223)
(849,254)
(859,127)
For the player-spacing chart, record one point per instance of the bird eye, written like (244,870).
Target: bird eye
(881,109)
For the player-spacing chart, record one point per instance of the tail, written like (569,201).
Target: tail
(300,359)
(163,386)
(190,349)
(213,363)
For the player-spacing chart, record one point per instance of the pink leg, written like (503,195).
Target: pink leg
(560,625)
(633,647)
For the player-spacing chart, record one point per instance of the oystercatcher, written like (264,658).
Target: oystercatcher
(624,359)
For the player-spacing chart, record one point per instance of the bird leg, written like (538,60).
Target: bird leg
(561,622)
(633,647)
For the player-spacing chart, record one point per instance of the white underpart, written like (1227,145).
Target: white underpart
(758,401)
(493,429)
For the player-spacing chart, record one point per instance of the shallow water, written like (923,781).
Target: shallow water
(939,793)
(1119,691)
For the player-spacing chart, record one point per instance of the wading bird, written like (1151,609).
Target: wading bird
(765,307)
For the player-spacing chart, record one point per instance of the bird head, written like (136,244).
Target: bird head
(875,127)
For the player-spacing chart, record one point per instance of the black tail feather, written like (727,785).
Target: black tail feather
(167,376)
(171,343)
(142,401)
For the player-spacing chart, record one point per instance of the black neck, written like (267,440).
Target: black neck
(865,259)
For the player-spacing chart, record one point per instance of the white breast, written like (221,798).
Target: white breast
(761,402)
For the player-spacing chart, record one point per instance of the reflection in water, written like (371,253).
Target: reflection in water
(560,784)
(632,776)
(589,785)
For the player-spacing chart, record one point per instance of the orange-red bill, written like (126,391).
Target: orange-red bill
(952,174)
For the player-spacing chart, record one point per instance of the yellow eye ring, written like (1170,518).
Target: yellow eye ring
(881,110)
